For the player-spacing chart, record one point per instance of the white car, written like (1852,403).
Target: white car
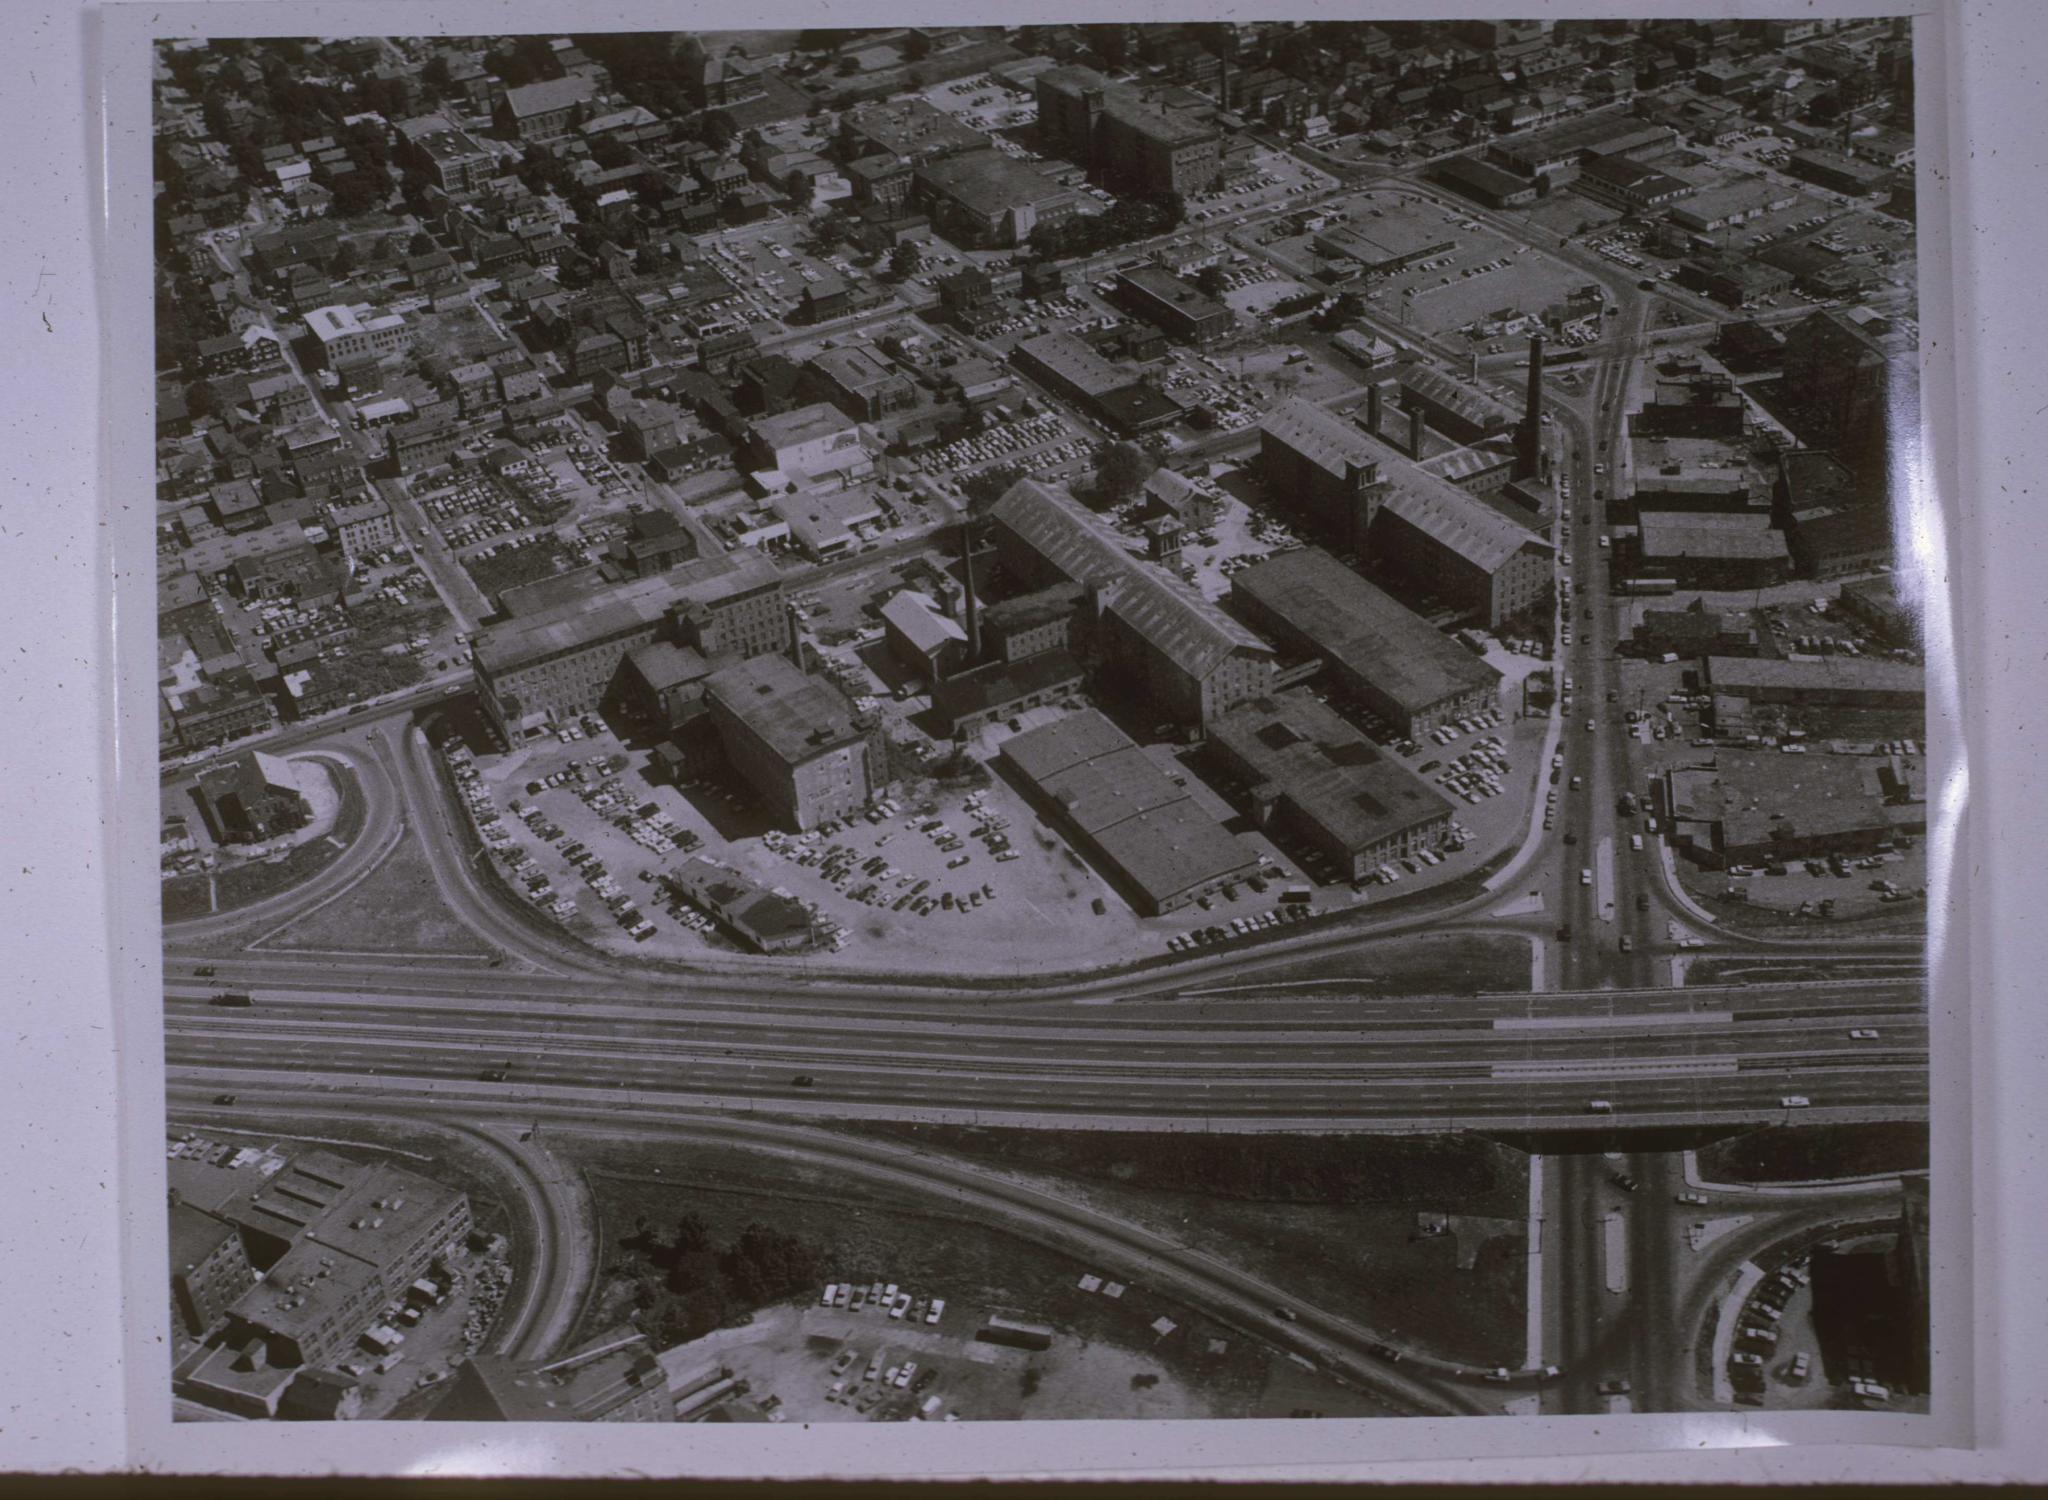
(1863,1034)
(1795,1101)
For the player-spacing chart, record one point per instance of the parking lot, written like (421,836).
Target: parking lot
(1035,445)
(770,267)
(962,877)
(1487,279)
(820,1364)
(1276,180)
(986,103)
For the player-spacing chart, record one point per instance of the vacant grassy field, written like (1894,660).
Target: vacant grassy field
(1425,964)
(396,908)
(867,1233)
(1809,1153)
(1332,1218)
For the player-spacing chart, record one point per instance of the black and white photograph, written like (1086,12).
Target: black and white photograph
(1046,722)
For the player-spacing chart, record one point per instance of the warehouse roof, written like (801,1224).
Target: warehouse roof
(1693,534)
(1364,630)
(1331,774)
(1319,435)
(1136,816)
(1075,362)
(1461,522)
(618,611)
(1183,626)
(1453,395)
(1004,682)
(1738,675)
(797,716)
(988,183)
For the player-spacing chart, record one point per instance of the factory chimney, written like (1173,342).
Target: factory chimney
(1415,431)
(796,635)
(973,610)
(1372,409)
(1529,441)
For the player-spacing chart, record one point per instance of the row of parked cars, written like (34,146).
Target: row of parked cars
(1237,927)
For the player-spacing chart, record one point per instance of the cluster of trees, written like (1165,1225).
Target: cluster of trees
(689,1284)
(1128,219)
(1120,472)
(905,261)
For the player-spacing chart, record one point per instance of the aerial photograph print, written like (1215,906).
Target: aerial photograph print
(999,723)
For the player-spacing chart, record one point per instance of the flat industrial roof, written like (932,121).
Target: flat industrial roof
(1139,821)
(797,716)
(618,611)
(1331,773)
(1364,630)
(1736,675)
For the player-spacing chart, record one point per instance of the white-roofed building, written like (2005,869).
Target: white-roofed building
(352,334)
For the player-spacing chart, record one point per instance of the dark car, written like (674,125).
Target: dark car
(1564,933)
(1570,837)
(802,1081)
(205,971)
(493,1075)
(1642,902)
(223,1098)
(1623,1181)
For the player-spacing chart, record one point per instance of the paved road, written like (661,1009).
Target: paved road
(1362,1062)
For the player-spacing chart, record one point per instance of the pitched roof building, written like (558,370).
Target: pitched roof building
(1176,648)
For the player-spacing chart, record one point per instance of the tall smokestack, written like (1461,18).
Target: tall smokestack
(1529,440)
(1415,431)
(1372,409)
(973,609)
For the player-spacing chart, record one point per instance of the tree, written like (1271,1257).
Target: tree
(984,488)
(356,193)
(1122,468)
(610,153)
(917,46)
(344,261)
(435,75)
(1209,280)
(905,261)
(847,66)
(420,244)
(692,1235)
